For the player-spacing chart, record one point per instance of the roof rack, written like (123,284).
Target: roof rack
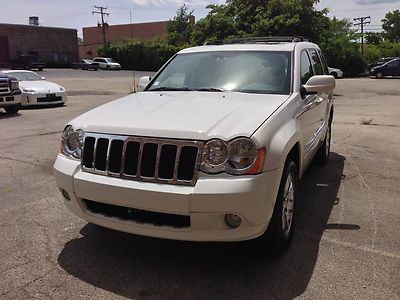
(261,40)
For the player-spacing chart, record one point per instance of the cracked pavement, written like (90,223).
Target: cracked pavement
(347,243)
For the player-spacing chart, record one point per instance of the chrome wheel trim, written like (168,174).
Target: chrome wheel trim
(288,205)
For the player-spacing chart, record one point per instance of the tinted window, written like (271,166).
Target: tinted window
(394,63)
(316,62)
(306,71)
(324,64)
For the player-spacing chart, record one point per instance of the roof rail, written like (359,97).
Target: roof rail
(261,40)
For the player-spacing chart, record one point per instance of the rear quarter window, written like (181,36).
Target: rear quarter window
(316,62)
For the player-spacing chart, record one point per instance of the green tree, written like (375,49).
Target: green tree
(339,44)
(241,18)
(391,26)
(180,28)
(374,38)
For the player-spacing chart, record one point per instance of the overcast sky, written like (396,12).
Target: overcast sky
(78,13)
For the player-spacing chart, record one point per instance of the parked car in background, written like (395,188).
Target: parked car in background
(337,73)
(380,62)
(212,150)
(10,94)
(391,68)
(85,64)
(107,63)
(36,90)
(26,62)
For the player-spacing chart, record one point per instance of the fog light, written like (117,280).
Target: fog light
(65,194)
(232,220)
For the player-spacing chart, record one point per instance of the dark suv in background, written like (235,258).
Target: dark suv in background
(391,68)
(26,62)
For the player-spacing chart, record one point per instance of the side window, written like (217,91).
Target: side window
(306,71)
(316,62)
(394,63)
(324,64)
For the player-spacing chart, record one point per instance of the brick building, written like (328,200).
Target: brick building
(93,36)
(55,46)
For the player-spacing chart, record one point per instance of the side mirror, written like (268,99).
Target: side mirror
(318,84)
(143,82)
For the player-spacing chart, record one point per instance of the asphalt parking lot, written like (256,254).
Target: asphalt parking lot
(347,243)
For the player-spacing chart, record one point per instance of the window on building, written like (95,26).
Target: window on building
(55,56)
(33,53)
(66,57)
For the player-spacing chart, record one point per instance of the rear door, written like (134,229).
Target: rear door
(392,68)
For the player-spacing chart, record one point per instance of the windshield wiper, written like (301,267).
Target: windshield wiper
(210,90)
(165,88)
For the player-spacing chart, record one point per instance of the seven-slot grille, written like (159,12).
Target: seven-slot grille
(4,86)
(142,159)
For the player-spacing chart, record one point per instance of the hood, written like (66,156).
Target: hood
(40,86)
(185,115)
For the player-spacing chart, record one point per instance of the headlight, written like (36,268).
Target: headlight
(29,91)
(240,156)
(14,85)
(72,142)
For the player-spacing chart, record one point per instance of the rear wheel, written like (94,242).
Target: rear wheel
(334,74)
(322,156)
(12,109)
(281,227)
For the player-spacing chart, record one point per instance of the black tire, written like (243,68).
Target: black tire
(108,68)
(379,75)
(334,74)
(278,235)
(322,156)
(12,109)
(40,69)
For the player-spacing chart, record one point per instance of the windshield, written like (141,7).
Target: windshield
(110,60)
(26,76)
(262,72)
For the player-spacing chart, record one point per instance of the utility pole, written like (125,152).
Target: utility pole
(100,11)
(361,21)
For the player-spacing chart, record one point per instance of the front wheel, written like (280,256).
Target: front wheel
(12,109)
(108,68)
(281,227)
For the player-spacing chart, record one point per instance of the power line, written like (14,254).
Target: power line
(362,21)
(100,11)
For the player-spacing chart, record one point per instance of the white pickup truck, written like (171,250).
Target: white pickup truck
(211,150)
(10,94)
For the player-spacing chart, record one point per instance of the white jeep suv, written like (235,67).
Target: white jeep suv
(211,150)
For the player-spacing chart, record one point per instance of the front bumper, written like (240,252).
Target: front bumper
(12,98)
(43,99)
(206,203)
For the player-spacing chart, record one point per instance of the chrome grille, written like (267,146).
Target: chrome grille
(4,87)
(142,159)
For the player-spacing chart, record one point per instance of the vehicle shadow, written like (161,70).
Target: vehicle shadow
(4,115)
(143,268)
